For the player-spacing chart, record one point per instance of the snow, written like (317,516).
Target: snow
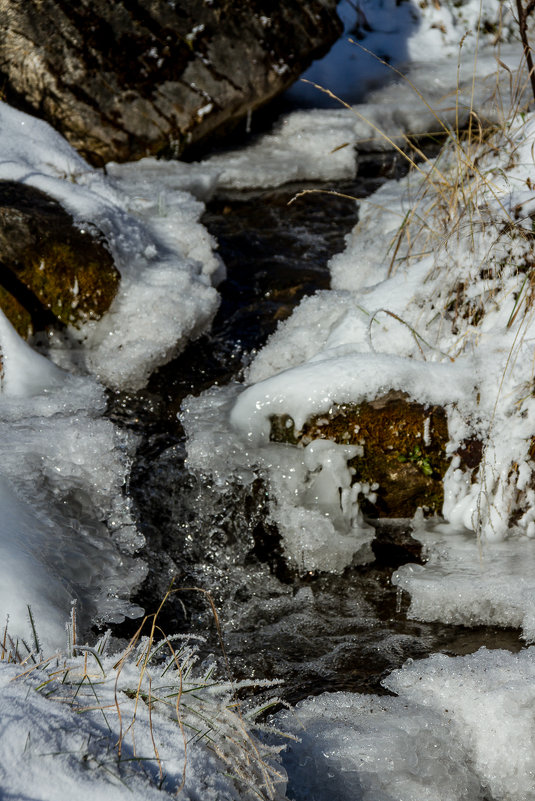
(400,35)
(63,717)
(378,330)
(66,530)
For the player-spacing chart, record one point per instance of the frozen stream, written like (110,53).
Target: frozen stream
(319,632)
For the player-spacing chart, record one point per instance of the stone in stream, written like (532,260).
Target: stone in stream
(404,449)
(51,270)
(124,79)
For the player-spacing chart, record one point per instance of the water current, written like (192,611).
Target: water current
(317,632)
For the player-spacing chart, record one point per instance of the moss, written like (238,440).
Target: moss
(404,449)
(57,271)
(75,284)
(15,312)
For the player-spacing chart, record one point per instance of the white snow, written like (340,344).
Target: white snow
(129,726)
(62,471)
(401,35)
(432,296)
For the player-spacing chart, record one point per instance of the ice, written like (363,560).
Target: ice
(311,498)
(23,372)
(329,378)
(27,578)
(66,531)
(459,728)
(315,507)
(489,698)
(374,748)
(304,146)
(469,582)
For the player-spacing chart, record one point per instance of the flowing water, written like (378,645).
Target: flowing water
(317,632)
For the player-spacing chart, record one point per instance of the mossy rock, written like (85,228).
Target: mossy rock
(51,270)
(404,449)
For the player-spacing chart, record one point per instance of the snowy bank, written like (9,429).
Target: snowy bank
(66,532)
(149,723)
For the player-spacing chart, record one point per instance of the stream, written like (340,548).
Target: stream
(318,632)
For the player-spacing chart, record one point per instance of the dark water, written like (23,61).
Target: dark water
(316,633)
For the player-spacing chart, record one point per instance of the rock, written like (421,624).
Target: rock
(404,450)
(122,80)
(50,270)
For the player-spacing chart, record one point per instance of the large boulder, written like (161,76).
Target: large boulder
(124,79)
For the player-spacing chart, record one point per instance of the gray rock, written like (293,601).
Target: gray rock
(125,79)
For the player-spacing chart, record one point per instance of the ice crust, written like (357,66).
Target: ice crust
(312,501)
(471,583)
(459,728)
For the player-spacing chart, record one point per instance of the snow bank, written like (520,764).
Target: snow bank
(163,254)
(443,314)
(459,728)
(380,33)
(431,297)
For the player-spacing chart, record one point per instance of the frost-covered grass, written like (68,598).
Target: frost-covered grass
(148,722)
